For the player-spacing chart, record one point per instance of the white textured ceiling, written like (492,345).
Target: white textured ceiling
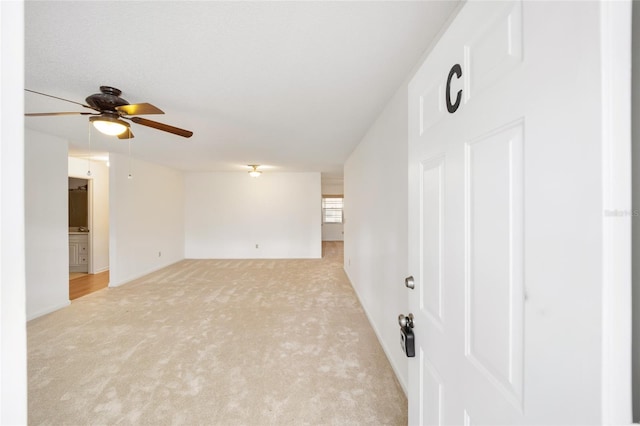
(290,85)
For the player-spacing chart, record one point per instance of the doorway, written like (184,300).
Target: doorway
(88,199)
(79,214)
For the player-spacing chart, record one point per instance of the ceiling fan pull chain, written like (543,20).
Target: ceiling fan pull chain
(89,156)
(130,159)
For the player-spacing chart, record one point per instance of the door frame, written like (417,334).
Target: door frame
(615,44)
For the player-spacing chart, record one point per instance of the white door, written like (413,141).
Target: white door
(505,218)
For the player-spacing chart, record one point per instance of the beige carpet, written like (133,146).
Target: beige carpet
(215,342)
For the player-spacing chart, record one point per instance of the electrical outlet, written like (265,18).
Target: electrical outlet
(257,246)
(159,254)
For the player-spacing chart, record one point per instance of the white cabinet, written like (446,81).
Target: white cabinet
(79,252)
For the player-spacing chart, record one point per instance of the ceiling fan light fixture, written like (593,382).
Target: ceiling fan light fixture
(254,172)
(109,125)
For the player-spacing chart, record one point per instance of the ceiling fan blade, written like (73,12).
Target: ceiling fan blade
(139,109)
(44,114)
(163,127)
(62,99)
(126,135)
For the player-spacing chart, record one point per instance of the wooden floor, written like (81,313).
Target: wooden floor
(81,285)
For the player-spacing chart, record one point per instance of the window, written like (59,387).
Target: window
(332,206)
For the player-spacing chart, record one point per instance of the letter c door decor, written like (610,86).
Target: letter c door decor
(457,70)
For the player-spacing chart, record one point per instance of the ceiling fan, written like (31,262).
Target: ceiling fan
(112,110)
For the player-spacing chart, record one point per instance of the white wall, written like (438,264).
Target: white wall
(99,223)
(46,223)
(635,84)
(332,232)
(332,186)
(375,248)
(146,216)
(227,214)
(13,347)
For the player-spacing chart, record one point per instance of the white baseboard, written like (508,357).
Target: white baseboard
(48,310)
(385,348)
(140,275)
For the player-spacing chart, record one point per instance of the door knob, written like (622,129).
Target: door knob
(409,282)
(405,321)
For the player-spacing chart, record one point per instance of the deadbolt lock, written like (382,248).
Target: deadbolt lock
(409,282)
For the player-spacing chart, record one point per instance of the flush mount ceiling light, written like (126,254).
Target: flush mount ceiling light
(109,124)
(254,172)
